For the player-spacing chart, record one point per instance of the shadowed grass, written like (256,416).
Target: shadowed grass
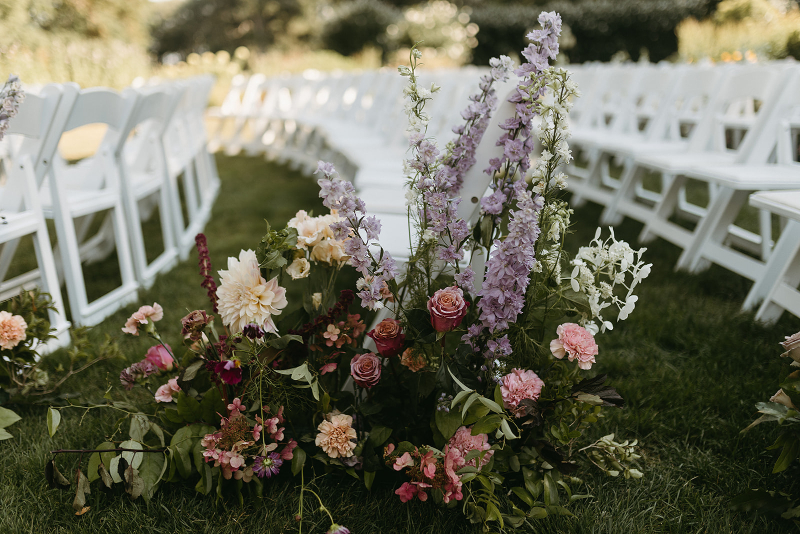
(688,363)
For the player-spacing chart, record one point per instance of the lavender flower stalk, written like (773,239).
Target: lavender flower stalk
(11,96)
(358,231)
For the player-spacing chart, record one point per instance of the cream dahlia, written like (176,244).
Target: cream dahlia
(244,297)
(337,436)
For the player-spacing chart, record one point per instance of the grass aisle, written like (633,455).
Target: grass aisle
(689,365)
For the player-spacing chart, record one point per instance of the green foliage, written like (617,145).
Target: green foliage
(359,23)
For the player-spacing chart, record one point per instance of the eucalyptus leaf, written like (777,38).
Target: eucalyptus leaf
(53,420)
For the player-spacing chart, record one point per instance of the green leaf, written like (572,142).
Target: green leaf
(487,424)
(158,432)
(191,370)
(282,342)
(498,395)
(458,398)
(181,444)
(379,434)
(95,460)
(369,478)
(206,481)
(188,407)
(506,428)
(298,461)
(4,434)
(538,513)
(140,425)
(133,458)
(447,422)
(53,420)
(491,404)
(790,450)
(523,494)
(457,381)
(212,407)
(550,490)
(151,471)
(472,398)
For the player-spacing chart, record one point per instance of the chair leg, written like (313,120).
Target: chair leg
(664,208)
(779,262)
(713,228)
(626,192)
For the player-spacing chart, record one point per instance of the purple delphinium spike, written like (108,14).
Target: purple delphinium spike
(362,231)
(11,96)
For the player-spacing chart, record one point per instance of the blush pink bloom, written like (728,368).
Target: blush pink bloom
(406,492)
(447,307)
(287,453)
(388,337)
(518,385)
(236,407)
(12,330)
(575,342)
(366,369)
(403,461)
(328,368)
(428,464)
(143,316)
(159,355)
(464,442)
(337,437)
(165,392)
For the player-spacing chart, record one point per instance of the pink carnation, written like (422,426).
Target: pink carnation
(576,342)
(159,355)
(165,392)
(464,442)
(143,316)
(518,385)
(12,330)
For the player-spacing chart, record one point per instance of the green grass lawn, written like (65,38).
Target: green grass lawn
(689,364)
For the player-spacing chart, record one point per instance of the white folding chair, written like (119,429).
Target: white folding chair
(20,207)
(73,195)
(144,176)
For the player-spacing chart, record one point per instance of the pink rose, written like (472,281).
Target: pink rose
(366,369)
(146,315)
(447,307)
(165,392)
(577,342)
(13,330)
(159,355)
(518,385)
(388,337)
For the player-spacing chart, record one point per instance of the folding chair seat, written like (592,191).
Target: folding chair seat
(21,210)
(72,197)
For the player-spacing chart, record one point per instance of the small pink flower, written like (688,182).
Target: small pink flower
(406,492)
(576,342)
(328,368)
(287,452)
(236,407)
(331,334)
(159,355)
(421,495)
(389,449)
(447,308)
(403,461)
(165,392)
(12,330)
(518,385)
(366,369)
(144,315)
(464,441)
(428,464)
(257,431)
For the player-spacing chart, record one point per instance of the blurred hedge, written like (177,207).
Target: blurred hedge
(355,24)
(601,27)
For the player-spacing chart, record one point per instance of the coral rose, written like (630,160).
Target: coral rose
(388,337)
(518,385)
(447,307)
(12,330)
(576,342)
(412,360)
(366,369)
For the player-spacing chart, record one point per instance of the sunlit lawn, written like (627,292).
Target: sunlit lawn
(689,364)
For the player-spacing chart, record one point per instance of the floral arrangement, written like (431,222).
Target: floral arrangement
(473,386)
(11,96)
(782,408)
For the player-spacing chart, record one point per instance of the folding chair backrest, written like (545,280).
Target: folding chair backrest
(32,126)
(648,105)
(147,124)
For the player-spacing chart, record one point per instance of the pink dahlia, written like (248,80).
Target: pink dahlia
(577,343)
(464,442)
(520,384)
(12,330)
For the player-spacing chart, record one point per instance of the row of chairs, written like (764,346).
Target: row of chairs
(654,139)
(646,136)
(153,157)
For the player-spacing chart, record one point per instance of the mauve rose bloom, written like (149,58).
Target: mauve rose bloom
(577,343)
(388,337)
(159,355)
(366,369)
(448,308)
(194,324)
